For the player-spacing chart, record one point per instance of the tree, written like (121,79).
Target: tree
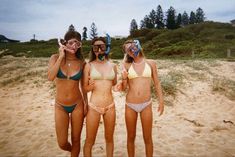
(133,26)
(152,16)
(146,22)
(93,31)
(71,28)
(192,18)
(170,20)
(200,16)
(185,19)
(159,17)
(178,21)
(84,33)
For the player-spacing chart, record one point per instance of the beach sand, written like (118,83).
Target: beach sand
(199,117)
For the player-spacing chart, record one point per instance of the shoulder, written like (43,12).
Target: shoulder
(152,63)
(54,57)
(87,65)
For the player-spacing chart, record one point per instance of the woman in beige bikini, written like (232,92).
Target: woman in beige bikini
(137,74)
(100,75)
(66,69)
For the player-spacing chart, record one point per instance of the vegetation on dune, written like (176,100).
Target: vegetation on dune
(204,40)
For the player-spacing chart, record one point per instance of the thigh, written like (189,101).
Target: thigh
(146,120)
(77,118)
(109,121)
(92,124)
(61,124)
(131,120)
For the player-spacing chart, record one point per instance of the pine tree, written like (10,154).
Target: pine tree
(192,18)
(93,31)
(152,16)
(170,21)
(200,16)
(133,26)
(159,17)
(179,20)
(185,19)
(146,22)
(71,28)
(84,34)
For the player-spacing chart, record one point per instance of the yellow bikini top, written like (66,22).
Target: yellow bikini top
(96,75)
(146,73)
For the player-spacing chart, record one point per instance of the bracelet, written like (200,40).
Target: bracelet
(124,79)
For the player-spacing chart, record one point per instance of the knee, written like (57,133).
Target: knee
(76,140)
(131,138)
(148,140)
(89,142)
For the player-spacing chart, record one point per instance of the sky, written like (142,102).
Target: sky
(47,19)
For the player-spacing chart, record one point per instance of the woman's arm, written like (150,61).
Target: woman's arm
(124,77)
(157,86)
(115,78)
(88,84)
(53,67)
(54,63)
(84,94)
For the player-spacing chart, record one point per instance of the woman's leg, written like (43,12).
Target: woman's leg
(77,118)
(131,119)
(62,125)
(92,124)
(147,121)
(109,125)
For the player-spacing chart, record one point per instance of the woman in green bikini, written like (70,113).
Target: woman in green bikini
(100,75)
(66,69)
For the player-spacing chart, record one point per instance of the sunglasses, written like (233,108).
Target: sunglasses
(96,48)
(77,43)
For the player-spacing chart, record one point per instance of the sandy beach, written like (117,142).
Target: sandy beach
(199,117)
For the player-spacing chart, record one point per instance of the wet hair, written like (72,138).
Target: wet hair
(72,34)
(128,58)
(92,55)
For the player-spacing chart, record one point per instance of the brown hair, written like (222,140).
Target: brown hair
(92,55)
(128,58)
(74,34)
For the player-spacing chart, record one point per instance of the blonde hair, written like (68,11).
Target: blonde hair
(128,58)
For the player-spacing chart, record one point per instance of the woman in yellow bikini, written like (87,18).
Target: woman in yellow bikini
(137,74)
(66,69)
(100,75)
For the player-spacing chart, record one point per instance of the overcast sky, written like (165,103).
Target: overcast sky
(20,19)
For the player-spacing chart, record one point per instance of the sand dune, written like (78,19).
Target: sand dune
(199,117)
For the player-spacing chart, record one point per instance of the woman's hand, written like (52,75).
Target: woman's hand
(118,87)
(62,51)
(124,74)
(91,83)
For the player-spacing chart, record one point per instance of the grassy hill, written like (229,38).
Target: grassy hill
(206,40)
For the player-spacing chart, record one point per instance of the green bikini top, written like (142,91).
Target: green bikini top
(75,77)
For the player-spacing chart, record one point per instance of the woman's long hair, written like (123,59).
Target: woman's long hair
(92,55)
(74,34)
(128,58)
